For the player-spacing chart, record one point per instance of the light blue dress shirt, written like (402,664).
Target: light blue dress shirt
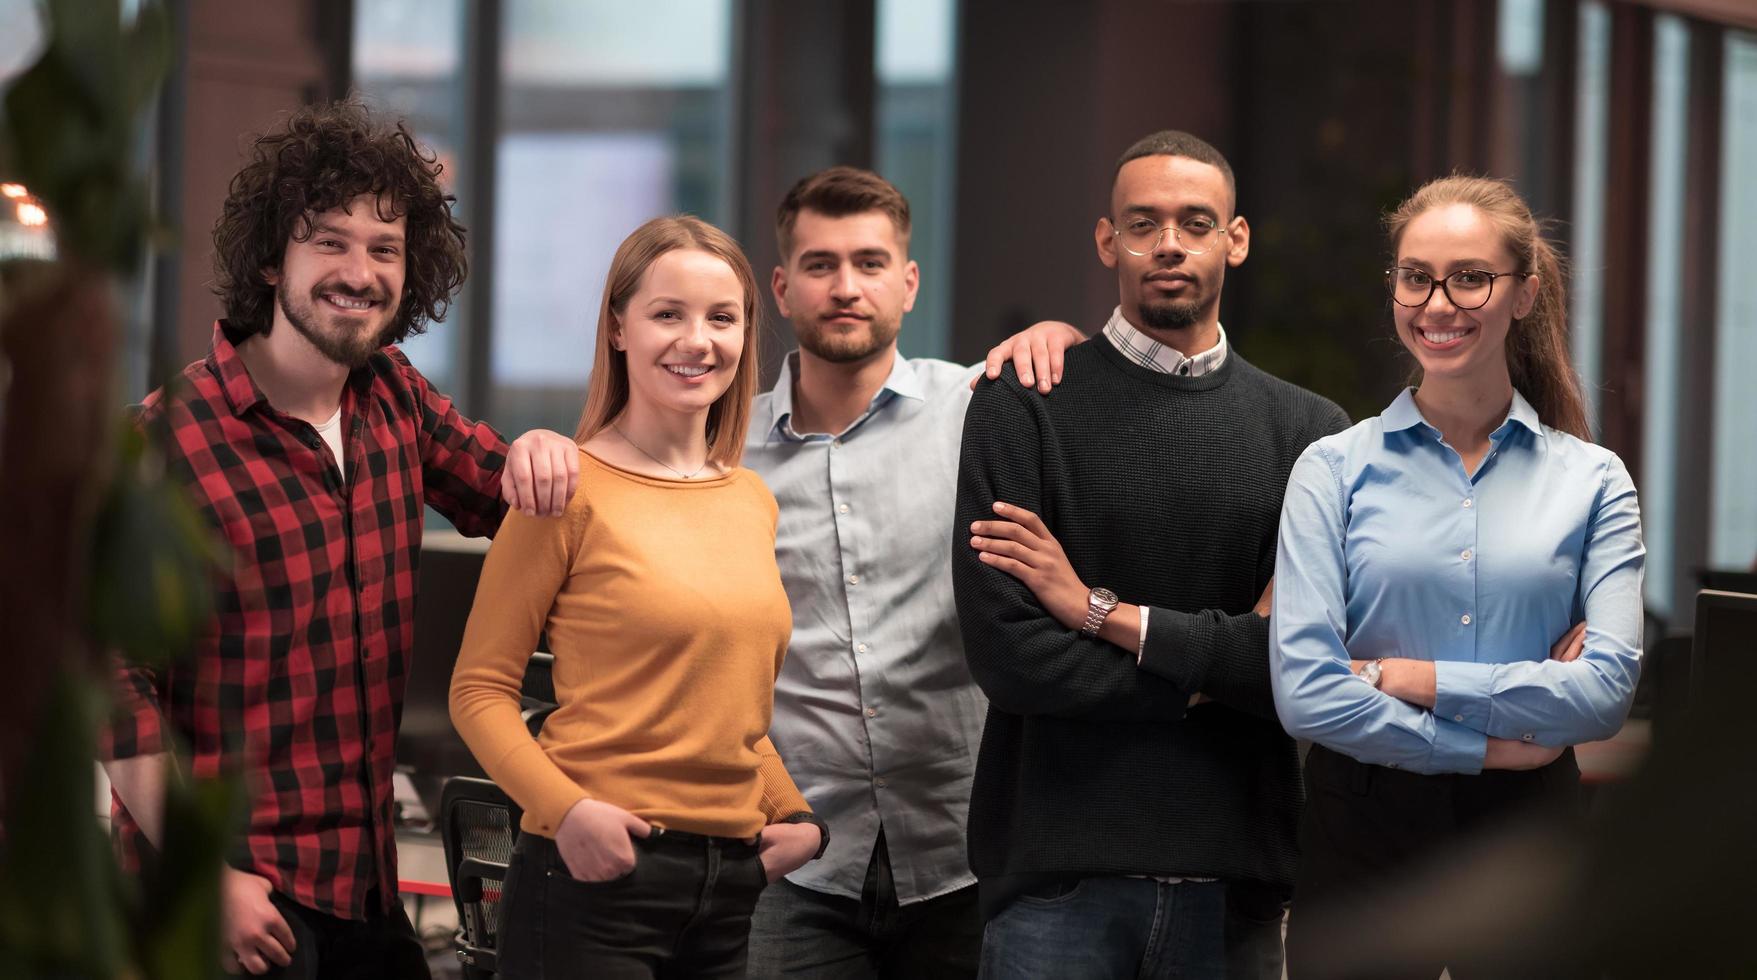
(876,715)
(1389,549)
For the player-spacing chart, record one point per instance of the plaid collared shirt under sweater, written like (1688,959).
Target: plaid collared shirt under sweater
(298,681)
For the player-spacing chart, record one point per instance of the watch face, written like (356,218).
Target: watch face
(1104,597)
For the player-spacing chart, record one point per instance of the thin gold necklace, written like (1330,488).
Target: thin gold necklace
(681,475)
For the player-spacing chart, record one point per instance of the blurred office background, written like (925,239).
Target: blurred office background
(564,123)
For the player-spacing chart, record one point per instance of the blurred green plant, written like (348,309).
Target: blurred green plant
(72,122)
(104,555)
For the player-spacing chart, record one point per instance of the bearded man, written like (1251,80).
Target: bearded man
(311,446)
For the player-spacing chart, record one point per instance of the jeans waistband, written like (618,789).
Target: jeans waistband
(735,846)
(660,837)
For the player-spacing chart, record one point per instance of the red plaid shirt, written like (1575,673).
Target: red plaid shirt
(299,681)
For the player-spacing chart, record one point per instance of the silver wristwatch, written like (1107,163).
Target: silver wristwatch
(1099,603)
(1372,672)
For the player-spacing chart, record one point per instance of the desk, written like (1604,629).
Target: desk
(421,865)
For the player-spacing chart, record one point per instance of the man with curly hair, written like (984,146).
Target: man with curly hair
(311,445)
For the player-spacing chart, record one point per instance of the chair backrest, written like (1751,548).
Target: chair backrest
(478,823)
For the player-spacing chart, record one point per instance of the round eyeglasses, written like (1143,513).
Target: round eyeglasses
(1140,234)
(1466,289)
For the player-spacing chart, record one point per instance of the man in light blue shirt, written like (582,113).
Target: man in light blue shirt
(875,712)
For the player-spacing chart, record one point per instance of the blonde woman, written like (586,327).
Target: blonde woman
(655,808)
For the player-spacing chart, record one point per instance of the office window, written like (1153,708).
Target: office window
(1733,522)
(407,59)
(914,147)
(1586,238)
(610,114)
(1665,248)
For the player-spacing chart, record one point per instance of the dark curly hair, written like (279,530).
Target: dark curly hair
(325,156)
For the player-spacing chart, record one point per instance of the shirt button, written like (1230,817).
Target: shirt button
(853,580)
(1457,717)
(834,443)
(1526,737)
(1465,555)
(841,508)
(879,782)
(1467,501)
(872,712)
(860,648)
(1465,619)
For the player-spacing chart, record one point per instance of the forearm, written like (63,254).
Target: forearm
(1027,663)
(1225,657)
(139,782)
(1122,628)
(781,795)
(461,462)
(1548,702)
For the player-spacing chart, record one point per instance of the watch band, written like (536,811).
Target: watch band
(1099,605)
(823,829)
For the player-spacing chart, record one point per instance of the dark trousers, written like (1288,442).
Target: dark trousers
(798,932)
(383,947)
(684,911)
(1366,827)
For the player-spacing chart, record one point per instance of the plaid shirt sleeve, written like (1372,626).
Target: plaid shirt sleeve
(136,725)
(461,460)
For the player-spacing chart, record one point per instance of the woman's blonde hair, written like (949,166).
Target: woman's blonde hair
(1537,344)
(607,392)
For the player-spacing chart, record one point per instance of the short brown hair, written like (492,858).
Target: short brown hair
(607,391)
(324,157)
(837,193)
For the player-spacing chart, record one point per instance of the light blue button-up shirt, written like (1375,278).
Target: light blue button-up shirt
(876,715)
(1389,549)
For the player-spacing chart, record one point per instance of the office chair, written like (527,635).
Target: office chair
(477,824)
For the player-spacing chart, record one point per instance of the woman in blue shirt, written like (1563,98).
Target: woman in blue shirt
(1458,581)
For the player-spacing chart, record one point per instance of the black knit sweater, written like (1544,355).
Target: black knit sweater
(1166,490)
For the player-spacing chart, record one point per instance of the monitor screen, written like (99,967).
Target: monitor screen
(1726,628)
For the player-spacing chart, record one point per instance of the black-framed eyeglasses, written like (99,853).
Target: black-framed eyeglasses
(1140,234)
(1466,289)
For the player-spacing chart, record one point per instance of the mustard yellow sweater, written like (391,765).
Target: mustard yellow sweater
(668,622)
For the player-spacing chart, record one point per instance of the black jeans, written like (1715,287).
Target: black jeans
(1366,827)
(384,947)
(798,932)
(684,911)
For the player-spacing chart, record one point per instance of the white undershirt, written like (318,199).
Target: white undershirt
(331,432)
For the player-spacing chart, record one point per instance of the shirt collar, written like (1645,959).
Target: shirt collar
(1155,356)
(241,391)
(1403,414)
(902,382)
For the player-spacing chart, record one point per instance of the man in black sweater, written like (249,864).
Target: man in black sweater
(1135,798)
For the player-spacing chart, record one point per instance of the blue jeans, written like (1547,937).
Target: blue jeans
(1110,927)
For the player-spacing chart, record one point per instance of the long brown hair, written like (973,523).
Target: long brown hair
(1537,344)
(607,392)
